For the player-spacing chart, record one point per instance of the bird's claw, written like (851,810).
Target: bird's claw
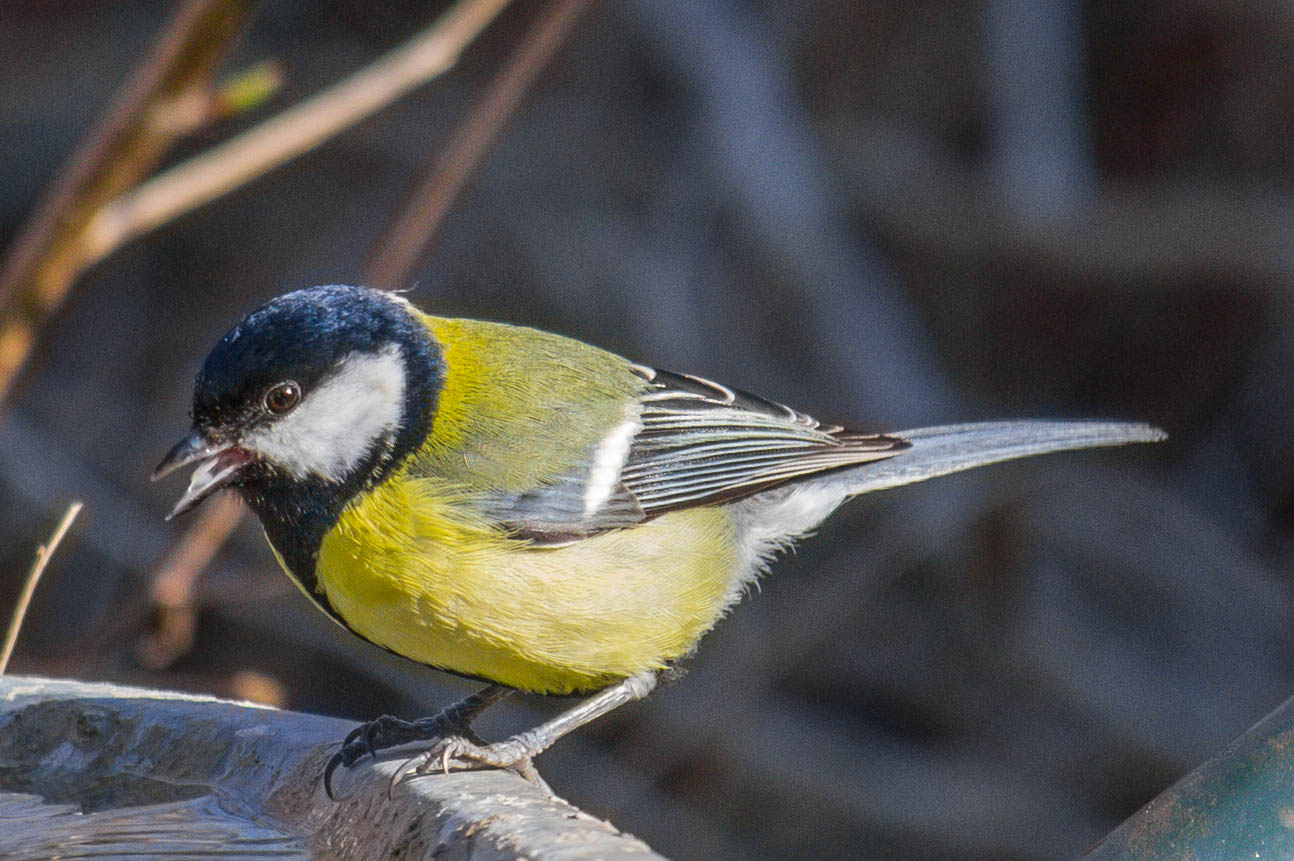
(462,753)
(333,762)
(366,740)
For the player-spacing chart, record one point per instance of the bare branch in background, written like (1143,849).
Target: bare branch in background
(43,554)
(205,177)
(769,162)
(1164,236)
(292,132)
(1041,137)
(174,585)
(407,239)
(50,251)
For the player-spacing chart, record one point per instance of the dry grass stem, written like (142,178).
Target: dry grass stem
(292,132)
(43,554)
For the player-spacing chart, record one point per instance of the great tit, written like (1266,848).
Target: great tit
(523,508)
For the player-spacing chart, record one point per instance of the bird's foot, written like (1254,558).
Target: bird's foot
(452,752)
(387,731)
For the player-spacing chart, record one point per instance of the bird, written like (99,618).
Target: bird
(522,508)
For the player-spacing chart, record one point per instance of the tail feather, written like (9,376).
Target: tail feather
(945,449)
(771,521)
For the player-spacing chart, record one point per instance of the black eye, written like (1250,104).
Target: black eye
(282,397)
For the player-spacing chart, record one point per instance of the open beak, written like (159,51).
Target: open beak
(219,465)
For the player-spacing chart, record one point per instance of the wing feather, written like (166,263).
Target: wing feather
(702,442)
(696,442)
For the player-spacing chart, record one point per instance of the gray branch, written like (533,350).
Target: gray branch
(106,770)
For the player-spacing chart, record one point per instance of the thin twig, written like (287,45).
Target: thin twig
(43,554)
(292,132)
(406,241)
(128,140)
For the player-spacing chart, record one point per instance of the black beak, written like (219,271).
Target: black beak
(220,464)
(193,447)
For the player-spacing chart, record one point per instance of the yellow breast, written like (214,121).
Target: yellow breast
(410,570)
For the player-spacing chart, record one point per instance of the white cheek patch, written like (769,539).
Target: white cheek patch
(338,422)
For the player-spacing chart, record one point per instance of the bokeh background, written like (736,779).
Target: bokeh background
(888,212)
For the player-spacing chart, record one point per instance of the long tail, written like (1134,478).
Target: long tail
(940,450)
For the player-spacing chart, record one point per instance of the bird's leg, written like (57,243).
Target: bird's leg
(516,753)
(386,731)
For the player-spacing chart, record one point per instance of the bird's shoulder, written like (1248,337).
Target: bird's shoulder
(519,407)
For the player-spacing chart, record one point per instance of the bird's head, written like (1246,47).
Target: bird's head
(321,388)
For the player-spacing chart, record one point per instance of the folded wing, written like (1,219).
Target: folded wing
(701,443)
(685,442)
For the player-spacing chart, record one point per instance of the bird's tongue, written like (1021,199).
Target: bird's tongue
(214,473)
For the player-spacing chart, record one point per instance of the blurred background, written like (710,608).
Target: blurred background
(891,213)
